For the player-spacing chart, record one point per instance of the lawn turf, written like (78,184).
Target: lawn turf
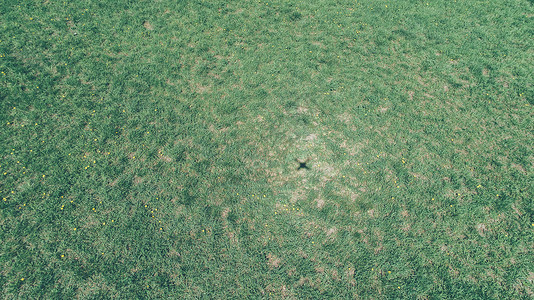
(148,149)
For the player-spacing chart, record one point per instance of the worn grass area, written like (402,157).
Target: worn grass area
(148,149)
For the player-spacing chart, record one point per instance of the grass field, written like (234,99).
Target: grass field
(148,149)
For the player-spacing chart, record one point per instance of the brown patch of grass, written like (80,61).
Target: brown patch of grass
(216,76)
(349,274)
(320,202)
(418,176)
(165,158)
(352,195)
(410,94)
(148,26)
(379,248)
(173,253)
(383,109)
(237,11)
(481,229)
(232,237)
(345,117)
(304,281)
(273,261)
(114,182)
(335,275)
(297,195)
(490,273)
(365,239)
(453,272)
(219,57)
(311,137)
(328,170)
(302,109)
(331,233)
(302,254)
(202,89)
(519,168)
(137,180)
(277,289)
(94,285)
(224,213)
(523,287)
(406,227)
(318,44)
(421,81)
(517,211)
(90,222)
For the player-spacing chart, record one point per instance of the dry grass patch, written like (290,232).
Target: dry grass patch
(137,180)
(320,203)
(296,195)
(311,137)
(481,229)
(318,44)
(201,89)
(345,118)
(273,261)
(302,109)
(148,26)
(519,168)
(166,158)
(332,233)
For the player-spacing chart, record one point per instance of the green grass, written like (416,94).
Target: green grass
(148,149)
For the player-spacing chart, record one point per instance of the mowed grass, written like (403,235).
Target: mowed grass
(148,149)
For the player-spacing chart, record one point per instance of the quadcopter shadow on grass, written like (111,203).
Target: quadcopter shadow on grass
(302,164)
